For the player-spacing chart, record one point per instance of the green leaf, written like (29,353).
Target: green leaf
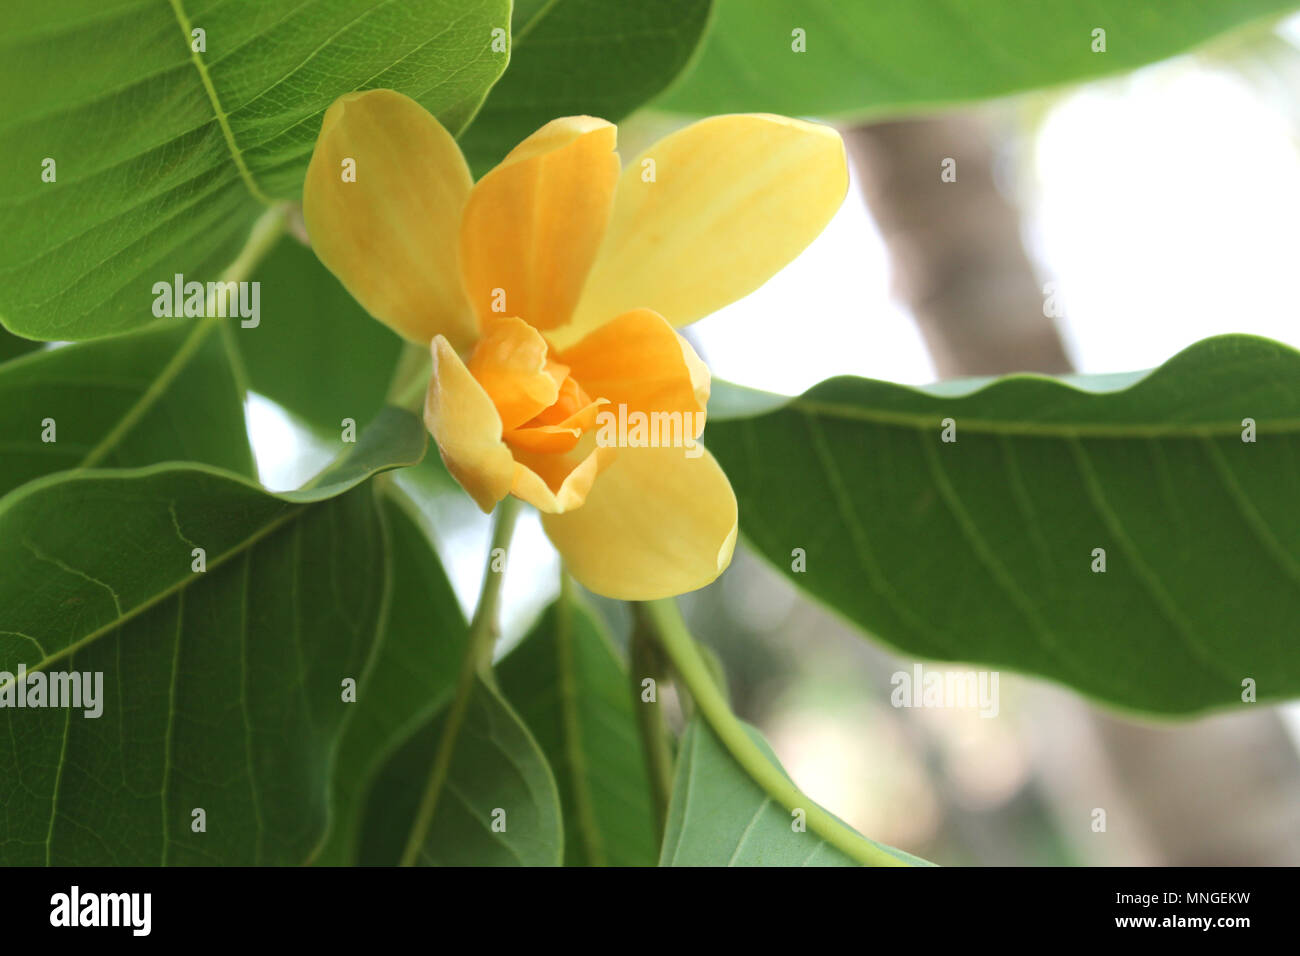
(891,56)
(411,676)
(573,692)
(582,57)
(498,775)
(316,352)
(11,346)
(165,156)
(721,817)
(982,549)
(222,688)
(165,395)
(131,533)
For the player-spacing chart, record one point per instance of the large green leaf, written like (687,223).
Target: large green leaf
(895,55)
(412,674)
(720,817)
(573,692)
(982,550)
(165,395)
(575,57)
(316,351)
(165,156)
(498,805)
(132,532)
(222,689)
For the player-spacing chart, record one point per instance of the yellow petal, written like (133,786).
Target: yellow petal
(732,201)
(656,523)
(638,360)
(532,225)
(511,364)
(467,429)
(391,235)
(557,484)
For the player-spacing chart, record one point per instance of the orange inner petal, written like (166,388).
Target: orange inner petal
(511,363)
(549,419)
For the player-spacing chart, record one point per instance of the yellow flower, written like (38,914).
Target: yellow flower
(549,293)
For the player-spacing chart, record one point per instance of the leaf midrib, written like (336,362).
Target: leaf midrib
(1060,430)
(179,586)
(185,351)
(183,20)
(295,509)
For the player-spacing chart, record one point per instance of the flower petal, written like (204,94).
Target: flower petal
(557,484)
(732,201)
(510,362)
(467,428)
(533,224)
(638,360)
(559,427)
(391,235)
(655,524)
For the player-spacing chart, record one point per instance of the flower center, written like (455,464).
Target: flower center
(542,407)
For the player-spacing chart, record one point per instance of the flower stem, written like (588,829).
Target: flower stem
(410,378)
(475,666)
(645,661)
(485,628)
(680,647)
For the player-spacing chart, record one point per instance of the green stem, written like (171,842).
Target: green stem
(266,232)
(410,378)
(646,661)
(475,666)
(677,642)
(484,628)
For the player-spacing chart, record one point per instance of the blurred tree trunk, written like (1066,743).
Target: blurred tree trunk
(1211,792)
(1219,792)
(955,246)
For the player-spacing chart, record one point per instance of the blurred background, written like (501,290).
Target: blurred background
(1098,228)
